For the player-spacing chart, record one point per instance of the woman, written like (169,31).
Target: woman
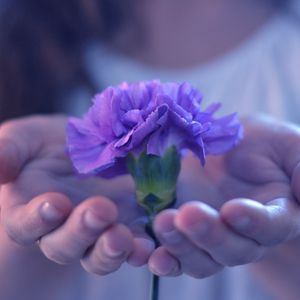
(237,45)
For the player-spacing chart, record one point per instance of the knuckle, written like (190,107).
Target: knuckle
(106,264)
(83,235)
(215,240)
(179,249)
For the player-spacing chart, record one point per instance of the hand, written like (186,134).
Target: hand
(42,199)
(248,204)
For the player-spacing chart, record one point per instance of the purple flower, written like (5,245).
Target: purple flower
(147,116)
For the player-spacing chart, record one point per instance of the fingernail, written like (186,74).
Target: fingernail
(50,212)
(168,232)
(165,268)
(93,221)
(172,237)
(242,223)
(112,252)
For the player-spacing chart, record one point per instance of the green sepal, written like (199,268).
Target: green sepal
(155,179)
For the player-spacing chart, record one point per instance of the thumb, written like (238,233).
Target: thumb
(12,158)
(19,142)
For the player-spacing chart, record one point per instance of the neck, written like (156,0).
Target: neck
(179,33)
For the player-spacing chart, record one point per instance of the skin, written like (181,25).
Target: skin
(57,196)
(249,212)
(46,211)
(236,219)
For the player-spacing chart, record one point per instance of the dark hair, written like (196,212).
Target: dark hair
(40,48)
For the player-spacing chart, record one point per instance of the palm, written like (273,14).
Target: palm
(252,170)
(54,173)
(249,171)
(50,170)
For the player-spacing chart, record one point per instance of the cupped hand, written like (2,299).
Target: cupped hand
(247,202)
(42,199)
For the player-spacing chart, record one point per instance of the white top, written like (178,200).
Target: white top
(261,75)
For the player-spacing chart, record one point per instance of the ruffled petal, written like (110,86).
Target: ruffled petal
(151,116)
(154,121)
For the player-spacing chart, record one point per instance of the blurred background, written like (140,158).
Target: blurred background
(56,54)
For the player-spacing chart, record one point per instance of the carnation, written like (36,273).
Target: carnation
(147,117)
(142,129)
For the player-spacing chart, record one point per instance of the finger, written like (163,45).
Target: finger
(11,160)
(270,224)
(162,263)
(143,244)
(26,223)
(202,225)
(193,261)
(110,251)
(18,142)
(71,240)
(142,249)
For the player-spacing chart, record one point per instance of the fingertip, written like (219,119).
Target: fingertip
(54,206)
(102,207)
(164,221)
(269,224)
(191,213)
(240,206)
(243,214)
(117,240)
(162,263)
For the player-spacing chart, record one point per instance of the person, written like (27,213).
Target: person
(246,212)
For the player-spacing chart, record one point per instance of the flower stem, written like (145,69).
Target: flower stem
(154,295)
(154,287)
